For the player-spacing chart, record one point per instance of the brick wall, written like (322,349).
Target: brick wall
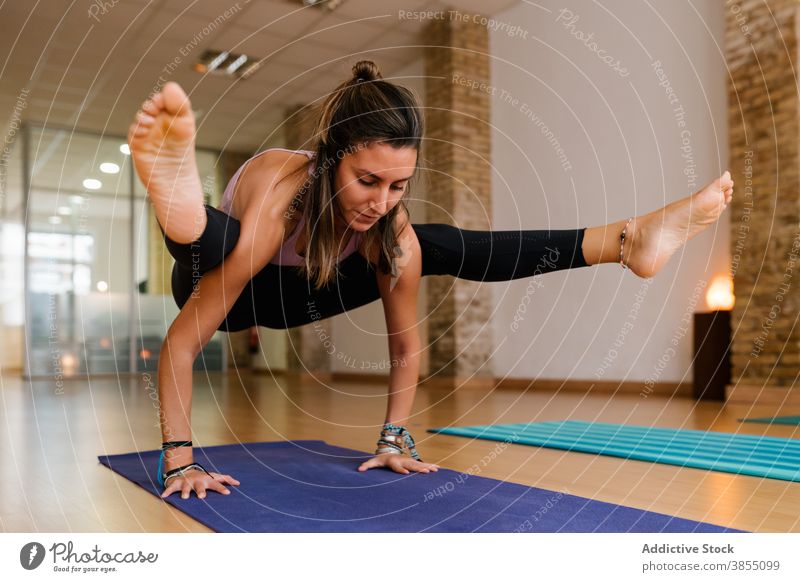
(764,120)
(457,153)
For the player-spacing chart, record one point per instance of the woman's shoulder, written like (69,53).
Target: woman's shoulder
(274,173)
(278,163)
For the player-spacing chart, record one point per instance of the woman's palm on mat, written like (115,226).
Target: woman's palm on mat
(199,482)
(398,464)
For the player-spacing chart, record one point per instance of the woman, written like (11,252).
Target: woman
(310,234)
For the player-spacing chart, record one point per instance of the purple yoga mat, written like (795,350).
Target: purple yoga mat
(311,486)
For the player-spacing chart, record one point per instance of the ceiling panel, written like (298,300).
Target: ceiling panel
(361,8)
(256,43)
(209,9)
(131,43)
(281,17)
(336,31)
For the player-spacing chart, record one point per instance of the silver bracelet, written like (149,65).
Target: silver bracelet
(182,472)
(394,439)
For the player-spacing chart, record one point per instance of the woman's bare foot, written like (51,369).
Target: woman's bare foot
(653,238)
(162,147)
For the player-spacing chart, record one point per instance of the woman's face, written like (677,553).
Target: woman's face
(371,181)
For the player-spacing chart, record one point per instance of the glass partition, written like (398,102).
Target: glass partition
(12,254)
(98,296)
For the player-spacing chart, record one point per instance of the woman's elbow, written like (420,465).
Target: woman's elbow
(405,348)
(181,346)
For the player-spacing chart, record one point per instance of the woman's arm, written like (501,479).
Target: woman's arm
(261,234)
(189,333)
(399,294)
(399,291)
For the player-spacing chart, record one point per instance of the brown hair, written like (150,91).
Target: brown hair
(364,109)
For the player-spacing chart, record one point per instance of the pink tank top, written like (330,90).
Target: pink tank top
(287,254)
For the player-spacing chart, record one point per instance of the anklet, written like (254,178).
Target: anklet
(622,242)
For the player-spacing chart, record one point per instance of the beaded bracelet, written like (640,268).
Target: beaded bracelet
(622,242)
(164,447)
(394,438)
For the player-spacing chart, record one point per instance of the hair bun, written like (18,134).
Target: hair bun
(366,71)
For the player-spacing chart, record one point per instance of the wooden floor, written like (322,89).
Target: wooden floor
(50,479)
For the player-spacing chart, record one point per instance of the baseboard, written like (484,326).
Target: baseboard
(297,376)
(661,389)
(357,378)
(752,394)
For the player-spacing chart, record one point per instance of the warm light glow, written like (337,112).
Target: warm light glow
(719,296)
(144,354)
(68,361)
(102,286)
(105,342)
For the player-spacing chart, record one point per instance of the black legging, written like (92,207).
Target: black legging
(279,297)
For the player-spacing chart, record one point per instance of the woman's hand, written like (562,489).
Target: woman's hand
(199,481)
(398,464)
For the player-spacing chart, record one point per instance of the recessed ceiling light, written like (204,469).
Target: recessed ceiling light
(109,168)
(102,286)
(231,69)
(224,63)
(92,184)
(76,199)
(54,220)
(64,210)
(125,149)
(218,60)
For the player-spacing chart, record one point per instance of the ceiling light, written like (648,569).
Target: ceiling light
(223,63)
(125,149)
(54,220)
(102,286)
(76,199)
(64,210)
(218,60)
(231,69)
(92,184)
(109,168)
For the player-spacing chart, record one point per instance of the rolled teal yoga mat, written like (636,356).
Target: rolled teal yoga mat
(791,420)
(759,456)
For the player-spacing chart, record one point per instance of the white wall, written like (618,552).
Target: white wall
(622,141)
